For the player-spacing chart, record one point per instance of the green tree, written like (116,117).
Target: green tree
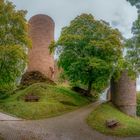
(133,2)
(132,57)
(89,51)
(133,44)
(13,43)
(124,78)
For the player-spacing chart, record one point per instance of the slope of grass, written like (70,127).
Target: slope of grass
(138,103)
(1,137)
(54,100)
(128,126)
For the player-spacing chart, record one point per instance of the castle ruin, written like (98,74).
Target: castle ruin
(41,32)
(123,94)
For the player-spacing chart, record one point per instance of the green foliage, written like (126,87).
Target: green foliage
(133,45)
(138,104)
(133,2)
(133,48)
(89,51)
(13,43)
(54,100)
(128,126)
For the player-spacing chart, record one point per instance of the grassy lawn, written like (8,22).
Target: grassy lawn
(1,137)
(128,126)
(54,100)
(138,103)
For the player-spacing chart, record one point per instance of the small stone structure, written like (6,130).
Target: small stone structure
(29,78)
(31,98)
(41,32)
(112,123)
(57,71)
(123,94)
(108,96)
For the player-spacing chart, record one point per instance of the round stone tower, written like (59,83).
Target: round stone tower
(123,94)
(41,32)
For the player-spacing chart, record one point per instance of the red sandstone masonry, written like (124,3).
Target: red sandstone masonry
(123,94)
(41,31)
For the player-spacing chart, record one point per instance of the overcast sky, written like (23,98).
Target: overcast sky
(119,13)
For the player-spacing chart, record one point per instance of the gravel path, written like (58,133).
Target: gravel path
(4,117)
(70,126)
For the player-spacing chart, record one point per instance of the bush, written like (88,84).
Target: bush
(94,96)
(6,90)
(81,91)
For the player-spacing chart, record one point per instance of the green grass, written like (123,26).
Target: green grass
(138,103)
(128,126)
(54,100)
(1,137)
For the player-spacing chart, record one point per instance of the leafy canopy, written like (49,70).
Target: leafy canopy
(133,44)
(134,2)
(13,42)
(89,51)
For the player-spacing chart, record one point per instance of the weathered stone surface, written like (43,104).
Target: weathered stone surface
(57,71)
(41,32)
(32,77)
(108,95)
(123,94)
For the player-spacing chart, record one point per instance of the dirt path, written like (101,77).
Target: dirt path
(5,117)
(71,126)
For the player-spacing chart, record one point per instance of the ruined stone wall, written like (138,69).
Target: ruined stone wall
(41,32)
(123,94)
(57,71)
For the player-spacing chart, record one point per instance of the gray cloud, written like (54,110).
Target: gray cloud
(120,14)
